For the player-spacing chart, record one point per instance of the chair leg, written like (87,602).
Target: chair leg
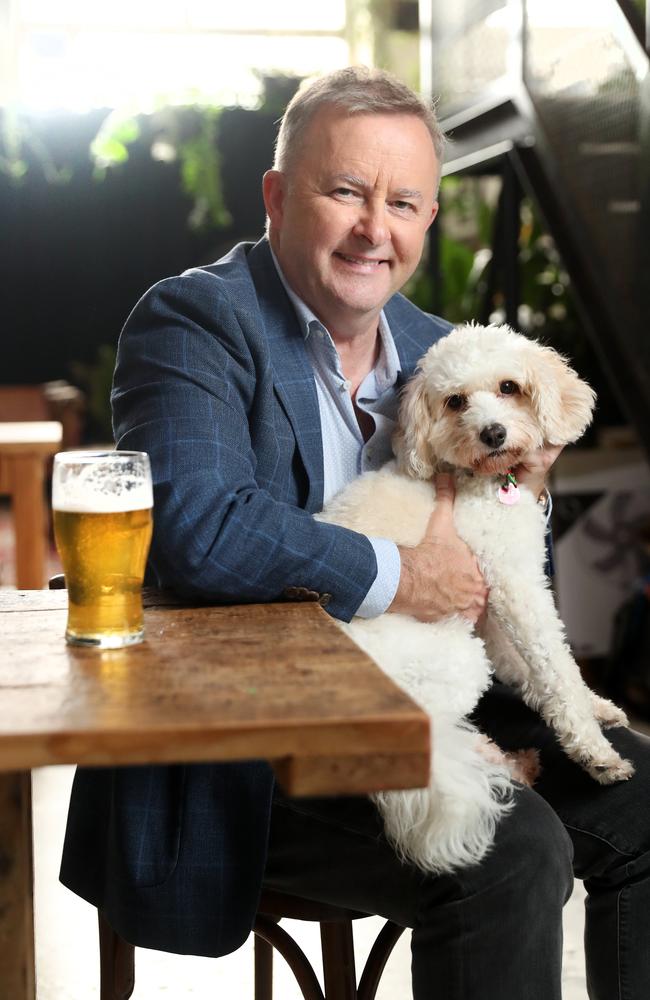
(263,953)
(338,960)
(380,952)
(116,963)
(268,929)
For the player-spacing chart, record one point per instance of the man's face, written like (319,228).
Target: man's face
(349,216)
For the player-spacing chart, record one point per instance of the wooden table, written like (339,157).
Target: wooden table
(25,448)
(275,681)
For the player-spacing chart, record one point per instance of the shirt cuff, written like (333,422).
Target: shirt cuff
(384,587)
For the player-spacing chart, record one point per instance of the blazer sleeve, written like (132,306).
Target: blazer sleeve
(184,389)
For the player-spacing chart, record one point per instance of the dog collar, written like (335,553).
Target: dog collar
(508,491)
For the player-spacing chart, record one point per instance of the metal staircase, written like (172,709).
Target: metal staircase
(555,95)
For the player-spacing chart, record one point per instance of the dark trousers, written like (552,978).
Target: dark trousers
(494,931)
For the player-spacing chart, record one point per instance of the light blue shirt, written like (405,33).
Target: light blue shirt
(345,453)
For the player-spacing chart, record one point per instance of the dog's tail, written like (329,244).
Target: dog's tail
(452,823)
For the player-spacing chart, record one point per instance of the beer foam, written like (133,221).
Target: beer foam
(92,491)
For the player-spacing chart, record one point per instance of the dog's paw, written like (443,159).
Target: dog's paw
(618,769)
(525,766)
(607,713)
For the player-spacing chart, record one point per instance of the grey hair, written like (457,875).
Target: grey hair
(355,90)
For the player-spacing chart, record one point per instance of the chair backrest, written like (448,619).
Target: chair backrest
(23,402)
(56,400)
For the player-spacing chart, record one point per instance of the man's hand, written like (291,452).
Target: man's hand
(533,468)
(440,576)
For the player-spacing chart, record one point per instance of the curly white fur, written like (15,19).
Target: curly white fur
(475,383)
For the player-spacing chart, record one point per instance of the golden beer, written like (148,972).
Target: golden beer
(104,557)
(102,527)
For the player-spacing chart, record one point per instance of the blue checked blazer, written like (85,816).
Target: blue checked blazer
(213,380)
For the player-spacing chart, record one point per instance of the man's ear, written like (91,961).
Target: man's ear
(434,212)
(273,190)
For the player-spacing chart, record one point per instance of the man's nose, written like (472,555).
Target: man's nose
(371,224)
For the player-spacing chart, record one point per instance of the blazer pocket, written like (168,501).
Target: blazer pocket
(148,805)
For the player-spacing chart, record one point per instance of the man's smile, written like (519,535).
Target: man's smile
(368,262)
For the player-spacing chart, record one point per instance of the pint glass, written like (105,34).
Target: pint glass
(102,525)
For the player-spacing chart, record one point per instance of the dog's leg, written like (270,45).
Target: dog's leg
(607,713)
(546,674)
(502,653)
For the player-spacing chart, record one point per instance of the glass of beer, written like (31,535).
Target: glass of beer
(102,526)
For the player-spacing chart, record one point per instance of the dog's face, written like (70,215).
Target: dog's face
(485,396)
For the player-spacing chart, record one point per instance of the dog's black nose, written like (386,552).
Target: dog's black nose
(493,435)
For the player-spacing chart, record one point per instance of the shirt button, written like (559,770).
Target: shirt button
(345,386)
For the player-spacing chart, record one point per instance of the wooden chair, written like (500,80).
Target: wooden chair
(117,956)
(56,400)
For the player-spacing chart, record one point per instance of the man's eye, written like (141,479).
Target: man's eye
(402,206)
(508,388)
(344,192)
(456,402)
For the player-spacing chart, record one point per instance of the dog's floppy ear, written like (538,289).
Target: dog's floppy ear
(410,441)
(563,402)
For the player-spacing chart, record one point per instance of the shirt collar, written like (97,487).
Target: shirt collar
(388,364)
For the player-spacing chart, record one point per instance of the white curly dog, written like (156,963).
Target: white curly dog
(482,397)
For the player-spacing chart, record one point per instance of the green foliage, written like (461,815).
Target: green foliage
(464,263)
(547,308)
(200,162)
(110,146)
(547,311)
(19,144)
(186,134)
(96,379)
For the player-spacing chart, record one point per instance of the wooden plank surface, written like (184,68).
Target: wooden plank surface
(273,681)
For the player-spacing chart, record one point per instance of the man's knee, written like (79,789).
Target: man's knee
(511,901)
(533,845)
(529,862)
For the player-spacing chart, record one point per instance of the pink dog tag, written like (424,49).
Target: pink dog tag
(508,494)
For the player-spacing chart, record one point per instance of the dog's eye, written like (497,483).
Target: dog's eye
(456,402)
(508,388)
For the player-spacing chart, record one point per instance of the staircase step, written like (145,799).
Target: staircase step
(609,148)
(631,207)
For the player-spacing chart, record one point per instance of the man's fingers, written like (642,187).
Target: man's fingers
(475,613)
(443,514)
(445,488)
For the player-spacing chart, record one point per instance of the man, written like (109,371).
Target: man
(259,386)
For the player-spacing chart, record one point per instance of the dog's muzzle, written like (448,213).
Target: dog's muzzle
(493,435)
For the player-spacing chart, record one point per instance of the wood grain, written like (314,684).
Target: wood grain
(273,681)
(17,978)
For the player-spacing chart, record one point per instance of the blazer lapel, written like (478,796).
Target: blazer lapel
(293,375)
